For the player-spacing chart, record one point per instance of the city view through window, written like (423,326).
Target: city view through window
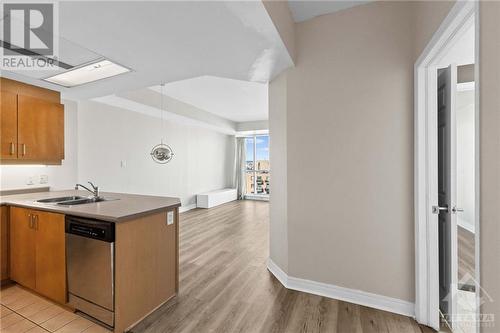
(257,165)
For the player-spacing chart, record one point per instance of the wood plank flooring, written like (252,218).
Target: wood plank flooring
(466,270)
(24,311)
(466,258)
(226,287)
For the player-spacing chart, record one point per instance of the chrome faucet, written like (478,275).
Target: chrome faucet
(94,191)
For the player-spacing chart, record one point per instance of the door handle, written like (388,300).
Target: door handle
(23,149)
(36,221)
(12,148)
(30,221)
(438,209)
(457,210)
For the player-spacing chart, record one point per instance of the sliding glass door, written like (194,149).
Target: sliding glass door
(257,165)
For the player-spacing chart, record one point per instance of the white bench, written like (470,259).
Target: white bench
(215,198)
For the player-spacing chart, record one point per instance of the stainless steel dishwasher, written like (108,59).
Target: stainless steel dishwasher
(90,246)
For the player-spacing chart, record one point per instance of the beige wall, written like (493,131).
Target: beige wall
(489,111)
(350,129)
(203,159)
(428,15)
(348,124)
(278,242)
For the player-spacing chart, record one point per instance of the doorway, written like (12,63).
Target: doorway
(456,193)
(446,174)
(466,211)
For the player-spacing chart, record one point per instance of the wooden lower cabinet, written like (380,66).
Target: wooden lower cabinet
(4,243)
(50,252)
(146,266)
(22,247)
(37,252)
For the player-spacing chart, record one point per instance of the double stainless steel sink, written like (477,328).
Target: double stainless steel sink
(72,200)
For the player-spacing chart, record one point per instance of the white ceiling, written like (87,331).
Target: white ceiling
(236,100)
(167,41)
(304,10)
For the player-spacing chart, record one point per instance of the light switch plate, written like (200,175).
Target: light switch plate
(170,218)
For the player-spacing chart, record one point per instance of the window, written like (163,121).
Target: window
(257,165)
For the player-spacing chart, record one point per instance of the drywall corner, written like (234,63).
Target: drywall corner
(278,229)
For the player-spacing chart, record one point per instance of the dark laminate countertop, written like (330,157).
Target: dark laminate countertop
(123,206)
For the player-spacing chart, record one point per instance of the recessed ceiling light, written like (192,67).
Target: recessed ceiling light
(88,73)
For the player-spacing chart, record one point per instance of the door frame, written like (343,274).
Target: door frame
(462,14)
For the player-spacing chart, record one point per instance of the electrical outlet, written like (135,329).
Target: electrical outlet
(170,218)
(44,179)
(29,181)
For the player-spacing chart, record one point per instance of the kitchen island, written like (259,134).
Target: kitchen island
(144,254)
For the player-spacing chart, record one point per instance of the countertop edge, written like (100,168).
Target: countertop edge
(93,216)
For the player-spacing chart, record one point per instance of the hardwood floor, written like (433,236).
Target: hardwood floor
(466,296)
(226,287)
(466,258)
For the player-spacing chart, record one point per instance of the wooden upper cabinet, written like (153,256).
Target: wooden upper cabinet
(32,124)
(40,130)
(8,125)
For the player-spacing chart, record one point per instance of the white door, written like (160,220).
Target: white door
(447,180)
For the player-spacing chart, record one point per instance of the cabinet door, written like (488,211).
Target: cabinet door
(40,130)
(22,247)
(50,255)
(8,125)
(4,243)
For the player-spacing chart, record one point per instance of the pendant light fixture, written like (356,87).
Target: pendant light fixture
(162,153)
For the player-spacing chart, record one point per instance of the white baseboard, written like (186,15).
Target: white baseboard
(277,272)
(183,209)
(375,301)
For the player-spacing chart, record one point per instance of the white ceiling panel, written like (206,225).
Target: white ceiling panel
(236,100)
